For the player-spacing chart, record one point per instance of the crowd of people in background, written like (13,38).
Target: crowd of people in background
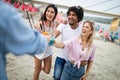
(108,35)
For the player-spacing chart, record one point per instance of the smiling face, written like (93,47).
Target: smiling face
(87,29)
(50,14)
(72,18)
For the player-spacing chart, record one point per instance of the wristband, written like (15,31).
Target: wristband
(52,41)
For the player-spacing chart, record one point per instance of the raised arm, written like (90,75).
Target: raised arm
(17,37)
(59,44)
(56,33)
(58,30)
(38,26)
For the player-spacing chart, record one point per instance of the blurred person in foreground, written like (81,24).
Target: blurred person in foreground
(16,37)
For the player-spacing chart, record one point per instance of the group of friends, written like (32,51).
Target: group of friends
(77,49)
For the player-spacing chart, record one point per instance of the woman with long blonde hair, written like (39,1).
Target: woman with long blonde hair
(79,48)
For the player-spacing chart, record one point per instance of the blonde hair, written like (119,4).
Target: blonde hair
(90,37)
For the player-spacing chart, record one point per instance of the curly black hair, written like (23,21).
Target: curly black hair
(78,11)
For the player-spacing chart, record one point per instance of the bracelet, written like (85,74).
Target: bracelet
(52,41)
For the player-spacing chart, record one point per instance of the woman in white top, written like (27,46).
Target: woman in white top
(46,26)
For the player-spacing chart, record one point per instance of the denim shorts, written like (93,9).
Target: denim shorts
(58,68)
(72,73)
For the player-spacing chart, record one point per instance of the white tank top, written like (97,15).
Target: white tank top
(48,51)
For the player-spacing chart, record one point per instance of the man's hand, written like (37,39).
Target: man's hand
(84,62)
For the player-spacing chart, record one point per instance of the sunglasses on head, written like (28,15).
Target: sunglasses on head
(78,7)
(52,5)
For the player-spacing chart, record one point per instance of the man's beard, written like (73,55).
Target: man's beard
(71,23)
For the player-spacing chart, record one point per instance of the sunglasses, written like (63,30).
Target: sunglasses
(53,5)
(78,7)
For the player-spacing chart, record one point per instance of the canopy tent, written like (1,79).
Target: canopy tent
(105,8)
(108,7)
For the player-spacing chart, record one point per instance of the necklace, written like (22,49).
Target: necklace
(83,45)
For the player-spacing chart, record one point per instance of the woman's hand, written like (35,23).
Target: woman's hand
(37,26)
(84,77)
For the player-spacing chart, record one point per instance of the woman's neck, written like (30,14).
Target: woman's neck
(48,23)
(84,42)
(84,38)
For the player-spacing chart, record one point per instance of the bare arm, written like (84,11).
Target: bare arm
(87,70)
(89,66)
(38,27)
(56,33)
(59,44)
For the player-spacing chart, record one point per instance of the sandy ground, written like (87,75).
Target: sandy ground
(106,65)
